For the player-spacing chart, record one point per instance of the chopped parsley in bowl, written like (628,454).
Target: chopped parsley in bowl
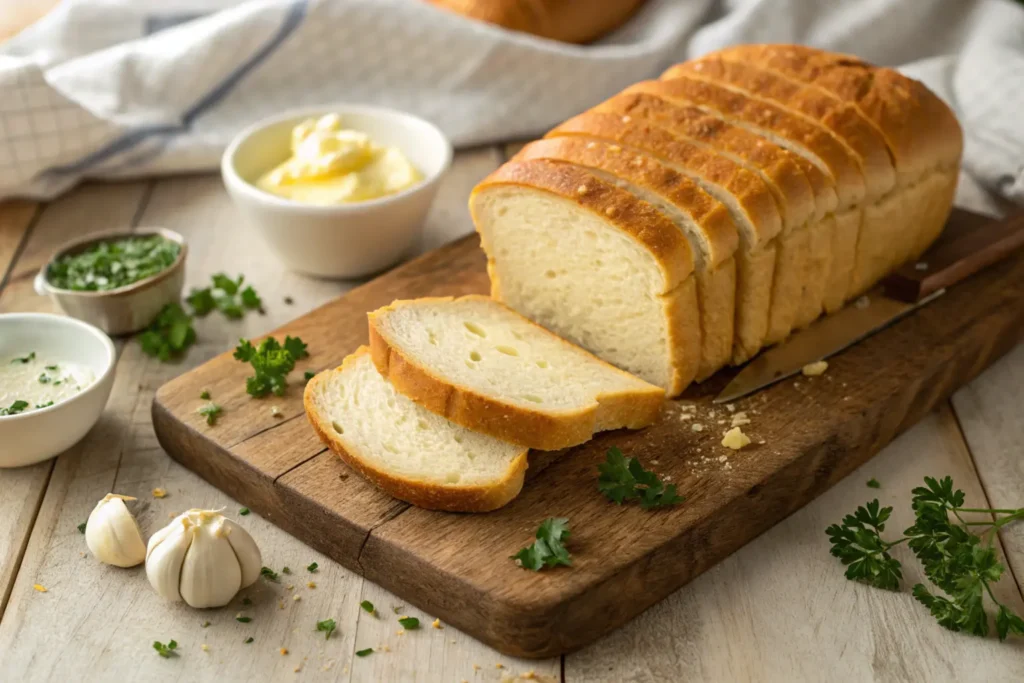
(113,264)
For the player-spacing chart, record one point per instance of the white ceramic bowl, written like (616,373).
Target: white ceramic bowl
(28,438)
(348,240)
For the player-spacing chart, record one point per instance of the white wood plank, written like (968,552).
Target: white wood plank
(781,610)
(992,418)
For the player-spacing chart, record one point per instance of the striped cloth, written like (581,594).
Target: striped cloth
(121,88)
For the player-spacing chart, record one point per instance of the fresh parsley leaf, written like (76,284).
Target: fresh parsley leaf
(211,411)
(222,282)
(24,359)
(286,570)
(52,368)
(170,334)
(858,545)
(269,574)
(308,375)
(409,623)
(205,395)
(243,620)
(14,408)
(248,640)
(312,567)
(873,483)
(243,511)
(44,405)
(328,626)
(250,299)
(81,528)
(111,264)
(548,550)
(201,301)
(623,479)
(167,650)
(225,295)
(367,606)
(271,364)
(1007,622)
(363,653)
(246,601)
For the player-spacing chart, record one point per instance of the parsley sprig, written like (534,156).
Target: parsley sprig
(225,295)
(167,650)
(169,334)
(549,549)
(271,362)
(14,408)
(327,626)
(623,479)
(961,564)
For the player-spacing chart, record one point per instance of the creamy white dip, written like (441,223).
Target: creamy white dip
(39,381)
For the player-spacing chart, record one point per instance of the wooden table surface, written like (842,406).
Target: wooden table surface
(777,610)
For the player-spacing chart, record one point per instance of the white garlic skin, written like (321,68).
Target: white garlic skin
(203,558)
(113,535)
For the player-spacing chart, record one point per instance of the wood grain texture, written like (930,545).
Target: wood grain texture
(815,431)
(15,218)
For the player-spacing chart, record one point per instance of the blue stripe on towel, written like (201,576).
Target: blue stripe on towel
(133,137)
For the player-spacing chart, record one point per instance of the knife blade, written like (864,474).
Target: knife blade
(969,243)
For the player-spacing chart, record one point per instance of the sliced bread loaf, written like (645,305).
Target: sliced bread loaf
(407,451)
(487,368)
(594,264)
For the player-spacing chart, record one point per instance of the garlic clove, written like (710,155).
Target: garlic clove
(210,574)
(112,534)
(165,557)
(246,550)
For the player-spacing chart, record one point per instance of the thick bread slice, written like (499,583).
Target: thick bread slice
(749,201)
(848,126)
(593,264)
(489,369)
(798,204)
(702,218)
(921,133)
(405,450)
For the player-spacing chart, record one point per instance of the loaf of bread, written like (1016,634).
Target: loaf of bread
(570,21)
(688,222)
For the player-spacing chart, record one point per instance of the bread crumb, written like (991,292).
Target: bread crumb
(386,648)
(39,587)
(654,462)
(920,265)
(739,419)
(280,604)
(290,586)
(499,665)
(399,632)
(296,598)
(581,190)
(863,302)
(159,493)
(437,624)
(297,669)
(735,439)
(275,411)
(683,417)
(311,584)
(476,667)
(697,427)
(611,211)
(730,407)
(815,369)
(528,676)
(284,651)
(204,647)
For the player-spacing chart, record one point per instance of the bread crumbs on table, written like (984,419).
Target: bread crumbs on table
(436,623)
(499,665)
(280,604)
(283,651)
(39,587)
(159,493)
(815,369)
(297,669)
(311,584)
(476,667)
(290,586)
(296,598)
(697,427)
(399,632)
(204,647)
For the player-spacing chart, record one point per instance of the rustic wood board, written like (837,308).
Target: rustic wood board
(808,433)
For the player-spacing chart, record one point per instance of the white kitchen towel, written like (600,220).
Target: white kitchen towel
(120,88)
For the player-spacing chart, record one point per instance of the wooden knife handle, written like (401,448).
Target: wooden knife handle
(969,243)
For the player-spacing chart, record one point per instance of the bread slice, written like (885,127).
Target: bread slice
(848,126)
(406,450)
(485,367)
(800,207)
(593,264)
(922,135)
(749,201)
(703,219)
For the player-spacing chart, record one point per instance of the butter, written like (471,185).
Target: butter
(332,165)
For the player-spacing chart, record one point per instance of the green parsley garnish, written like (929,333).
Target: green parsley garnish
(286,570)
(623,479)
(548,550)
(960,563)
(312,567)
(52,368)
(211,411)
(170,334)
(409,623)
(271,363)
(112,264)
(308,375)
(246,601)
(328,626)
(225,295)
(167,650)
(244,620)
(363,653)
(205,395)
(367,606)
(45,379)
(81,528)
(248,640)
(873,483)
(14,408)
(269,574)
(24,359)
(243,511)
(205,624)
(39,406)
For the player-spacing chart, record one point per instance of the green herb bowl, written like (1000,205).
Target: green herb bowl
(126,309)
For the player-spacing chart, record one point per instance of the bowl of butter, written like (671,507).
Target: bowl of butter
(338,191)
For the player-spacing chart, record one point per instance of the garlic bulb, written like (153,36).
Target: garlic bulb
(202,558)
(113,535)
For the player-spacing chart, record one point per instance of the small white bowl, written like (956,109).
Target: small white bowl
(346,240)
(28,438)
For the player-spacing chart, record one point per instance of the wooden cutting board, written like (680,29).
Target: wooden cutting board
(807,434)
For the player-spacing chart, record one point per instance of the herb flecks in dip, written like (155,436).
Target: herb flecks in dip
(28,382)
(112,264)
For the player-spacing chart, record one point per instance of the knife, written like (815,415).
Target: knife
(969,243)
